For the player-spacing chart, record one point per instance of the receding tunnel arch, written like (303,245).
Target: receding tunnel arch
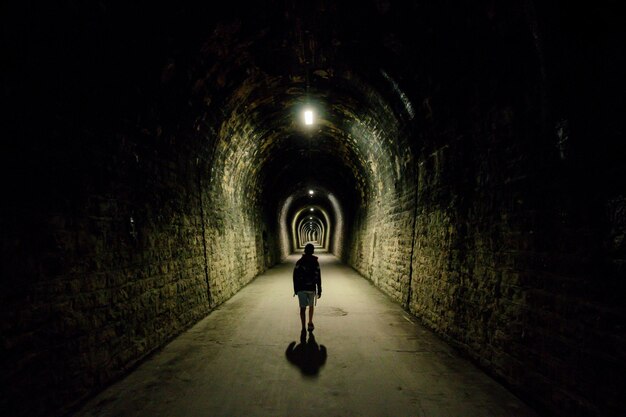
(311,224)
(311,230)
(298,207)
(356,135)
(359,149)
(356,149)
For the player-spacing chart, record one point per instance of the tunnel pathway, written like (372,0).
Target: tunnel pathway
(379,361)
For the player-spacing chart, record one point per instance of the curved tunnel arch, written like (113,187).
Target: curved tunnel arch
(299,203)
(356,148)
(357,130)
(319,220)
(310,231)
(340,138)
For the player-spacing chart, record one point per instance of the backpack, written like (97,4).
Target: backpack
(306,274)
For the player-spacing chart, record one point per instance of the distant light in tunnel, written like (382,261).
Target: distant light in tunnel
(310,209)
(308,117)
(310,218)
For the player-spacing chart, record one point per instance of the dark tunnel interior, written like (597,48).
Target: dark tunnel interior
(465,157)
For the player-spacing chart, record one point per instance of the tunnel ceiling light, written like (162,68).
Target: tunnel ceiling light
(308,117)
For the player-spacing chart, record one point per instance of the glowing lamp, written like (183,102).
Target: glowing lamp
(308,117)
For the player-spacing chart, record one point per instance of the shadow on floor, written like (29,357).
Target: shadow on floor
(307,355)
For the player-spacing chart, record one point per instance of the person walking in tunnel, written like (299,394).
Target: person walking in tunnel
(307,284)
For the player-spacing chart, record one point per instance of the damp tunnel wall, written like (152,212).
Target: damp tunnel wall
(156,157)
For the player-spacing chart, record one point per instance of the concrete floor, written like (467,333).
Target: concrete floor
(368,358)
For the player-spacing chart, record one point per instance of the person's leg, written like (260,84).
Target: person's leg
(302,316)
(311,308)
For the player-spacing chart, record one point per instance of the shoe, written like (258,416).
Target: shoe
(311,327)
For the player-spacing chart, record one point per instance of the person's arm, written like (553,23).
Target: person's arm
(295,271)
(318,279)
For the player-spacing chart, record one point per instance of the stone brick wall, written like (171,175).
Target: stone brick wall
(99,273)
(235,247)
(510,269)
(381,245)
(114,246)
(518,237)
(381,234)
(509,266)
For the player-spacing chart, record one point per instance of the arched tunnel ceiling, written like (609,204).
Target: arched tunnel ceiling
(284,152)
(260,76)
(301,207)
(236,75)
(292,170)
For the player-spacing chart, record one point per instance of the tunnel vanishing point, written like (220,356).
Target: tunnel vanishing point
(465,157)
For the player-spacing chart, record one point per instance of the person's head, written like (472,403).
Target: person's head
(309,248)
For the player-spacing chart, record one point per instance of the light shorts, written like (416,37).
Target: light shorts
(306,298)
